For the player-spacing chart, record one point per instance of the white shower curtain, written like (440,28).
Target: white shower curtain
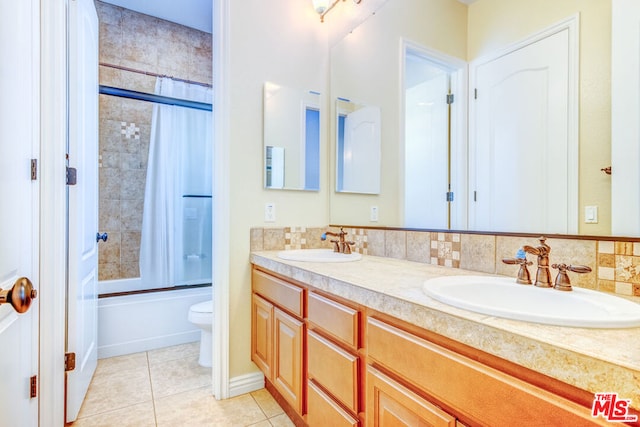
(179,168)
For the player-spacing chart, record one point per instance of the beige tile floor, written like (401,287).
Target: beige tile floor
(167,387)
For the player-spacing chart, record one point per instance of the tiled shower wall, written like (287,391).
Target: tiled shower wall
(133,40)
(615,264)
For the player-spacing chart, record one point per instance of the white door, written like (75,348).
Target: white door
(82,290)
(625,126)
(361,167)
(427,151)
(520,151)
(19,140)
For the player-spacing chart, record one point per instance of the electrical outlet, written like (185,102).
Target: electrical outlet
(270,212)
(374,214)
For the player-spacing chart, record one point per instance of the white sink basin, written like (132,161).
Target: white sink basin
(318,255)
(502,297)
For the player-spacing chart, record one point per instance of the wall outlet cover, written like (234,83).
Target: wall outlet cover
(270,212)
(374,214)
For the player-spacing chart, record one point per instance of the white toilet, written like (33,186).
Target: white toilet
(201,315)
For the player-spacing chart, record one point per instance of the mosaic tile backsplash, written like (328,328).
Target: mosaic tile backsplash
(615,265)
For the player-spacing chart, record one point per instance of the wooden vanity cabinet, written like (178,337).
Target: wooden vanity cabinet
(475,393)
(277,338)
(333,362)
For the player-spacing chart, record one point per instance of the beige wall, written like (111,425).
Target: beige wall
(281,41)
(365,68)
(494,24)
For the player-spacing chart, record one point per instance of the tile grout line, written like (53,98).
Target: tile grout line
(153,400)
(266,417)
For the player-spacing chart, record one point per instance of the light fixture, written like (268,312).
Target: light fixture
(322,7)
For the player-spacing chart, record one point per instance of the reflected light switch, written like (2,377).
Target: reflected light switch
(591,214)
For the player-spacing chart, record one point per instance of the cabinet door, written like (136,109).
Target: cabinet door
(262,334)
(391,404)
(287,358)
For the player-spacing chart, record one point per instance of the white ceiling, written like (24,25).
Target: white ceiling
(190,13)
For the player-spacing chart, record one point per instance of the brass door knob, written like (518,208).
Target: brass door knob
(20,295)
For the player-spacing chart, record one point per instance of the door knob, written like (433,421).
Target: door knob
(20,295)
(103,237)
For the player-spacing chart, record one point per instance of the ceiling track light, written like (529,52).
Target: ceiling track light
(322,7)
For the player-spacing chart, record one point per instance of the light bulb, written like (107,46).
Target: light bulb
(320,6)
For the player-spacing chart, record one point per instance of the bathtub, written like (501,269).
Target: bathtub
(134,322)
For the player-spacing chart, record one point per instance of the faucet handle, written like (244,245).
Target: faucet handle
(347,247)
(524,277)
(562,282)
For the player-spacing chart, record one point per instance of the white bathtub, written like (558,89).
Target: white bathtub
(140,322)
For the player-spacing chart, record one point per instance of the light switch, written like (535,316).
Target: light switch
(591,214)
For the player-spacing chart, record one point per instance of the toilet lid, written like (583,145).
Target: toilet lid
(203,307)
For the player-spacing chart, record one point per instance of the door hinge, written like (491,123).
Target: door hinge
(69,362)
(34,169)
(450,98)
(33,386)
(449,196)
(72,176)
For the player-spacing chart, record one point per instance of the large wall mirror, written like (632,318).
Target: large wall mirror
(291,138)
(473,33)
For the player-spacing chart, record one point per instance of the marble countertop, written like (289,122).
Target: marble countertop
(597,360)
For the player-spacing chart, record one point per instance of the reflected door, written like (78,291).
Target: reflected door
(359,151)
(520,177)
(625,126)
(427,147)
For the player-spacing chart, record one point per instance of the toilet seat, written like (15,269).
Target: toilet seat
(203,307)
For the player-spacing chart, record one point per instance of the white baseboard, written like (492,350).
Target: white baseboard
(146,344)
(246,384)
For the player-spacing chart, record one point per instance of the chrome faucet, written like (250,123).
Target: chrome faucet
(543,275)
(340,245)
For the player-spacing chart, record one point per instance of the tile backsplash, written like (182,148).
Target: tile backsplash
(615,265)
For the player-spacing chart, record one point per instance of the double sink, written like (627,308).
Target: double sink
(501,297)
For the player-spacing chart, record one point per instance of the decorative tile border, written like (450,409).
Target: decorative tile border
(294,238)
(619,267)
(445,249)
(616,266)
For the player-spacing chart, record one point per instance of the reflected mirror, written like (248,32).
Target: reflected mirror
(357,147)
(475,33)
(291,138)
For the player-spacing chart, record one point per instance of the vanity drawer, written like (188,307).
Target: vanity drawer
(334,368)
(338,320)
(478,391)
(288,296)
(323,411)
